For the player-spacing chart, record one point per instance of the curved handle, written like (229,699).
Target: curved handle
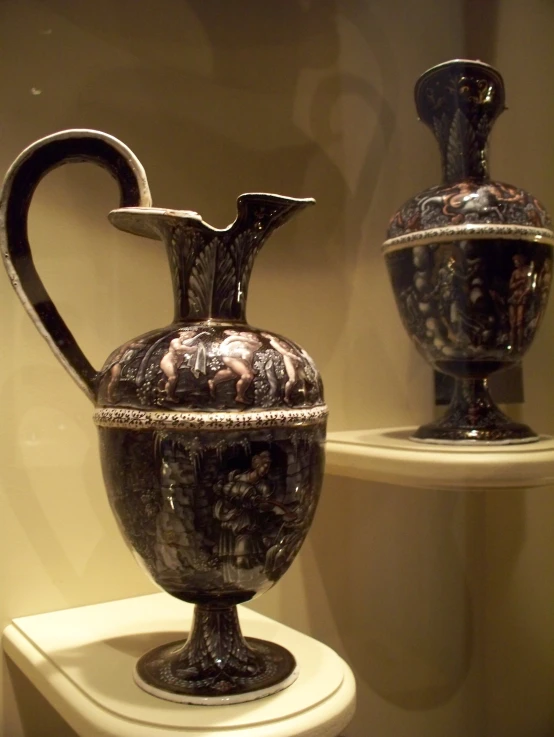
(15,198)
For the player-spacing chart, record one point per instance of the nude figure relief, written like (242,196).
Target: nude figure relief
(126,354)
(293,364)
(187,350)
(520,292)
(237,354)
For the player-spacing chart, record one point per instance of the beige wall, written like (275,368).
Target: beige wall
(442,603)
(519,622)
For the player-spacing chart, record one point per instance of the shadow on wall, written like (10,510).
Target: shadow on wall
(216,102)
(520,607)
(393,565)
(408,576)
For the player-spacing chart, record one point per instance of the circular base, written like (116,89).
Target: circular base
(471,441)
(473,418)
(505,433)
(157,673)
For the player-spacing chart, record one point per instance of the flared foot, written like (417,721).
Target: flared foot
(216,664)
(158,673)
(473,417)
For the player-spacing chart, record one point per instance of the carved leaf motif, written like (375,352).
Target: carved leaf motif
(227,277)
(218,641)
(201,280)
(197,649)
(192,242)
(249,260)
(184,249)
(244,250)
(463,151)
(483,129)
(441,129)
(173,250)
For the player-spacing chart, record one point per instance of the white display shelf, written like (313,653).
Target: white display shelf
(389,456)
(81,660)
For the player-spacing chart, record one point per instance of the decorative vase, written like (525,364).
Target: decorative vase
(211,431)
(470,260)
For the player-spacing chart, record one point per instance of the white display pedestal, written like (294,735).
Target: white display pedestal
(389,456)
(81,660)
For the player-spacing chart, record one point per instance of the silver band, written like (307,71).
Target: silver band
(135,419)
(468,231)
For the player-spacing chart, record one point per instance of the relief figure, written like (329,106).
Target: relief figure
(291,536)
(237,509)
(183,347)
(519,289)
(124,355)
(237,353)
(293,366)
(545,281)
(171,541)
(464,200)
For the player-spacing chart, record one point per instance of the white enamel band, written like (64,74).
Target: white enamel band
(468,231)
(135,419)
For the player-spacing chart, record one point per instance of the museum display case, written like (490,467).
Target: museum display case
(425,574)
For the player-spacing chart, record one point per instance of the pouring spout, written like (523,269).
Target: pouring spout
(267,211)
(211,267)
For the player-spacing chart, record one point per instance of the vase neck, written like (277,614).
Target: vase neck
(210,268)
(459,101)
(210,271)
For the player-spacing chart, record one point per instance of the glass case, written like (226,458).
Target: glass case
(426,569)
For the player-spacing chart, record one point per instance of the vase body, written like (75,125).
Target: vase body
(470,260)
(211,431)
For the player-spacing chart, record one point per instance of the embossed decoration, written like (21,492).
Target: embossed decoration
(470,202)
(211,431)
(470,260)
(209,367)
(217,513)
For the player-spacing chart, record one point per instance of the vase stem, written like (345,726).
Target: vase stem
(215,664)
(216,644)
(471,398)
(472,415)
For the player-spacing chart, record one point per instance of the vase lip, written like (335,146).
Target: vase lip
(490,72)
(460,62)
(151,222)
